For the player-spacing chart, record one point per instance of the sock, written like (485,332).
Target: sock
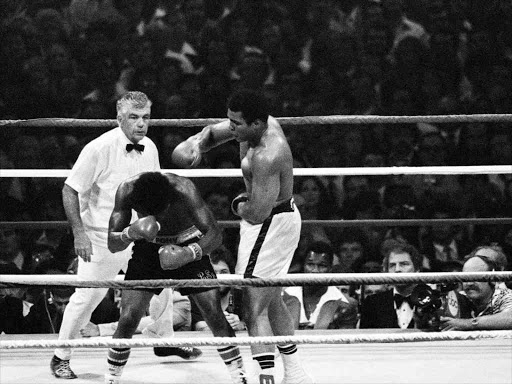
(117,359)
(290,356)
(267,364)
(233,360)
(231,355)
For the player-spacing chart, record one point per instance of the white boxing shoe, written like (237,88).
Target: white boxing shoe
(297,377)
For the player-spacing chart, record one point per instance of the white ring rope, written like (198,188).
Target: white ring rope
(232,172)
(247,340)
(299,279)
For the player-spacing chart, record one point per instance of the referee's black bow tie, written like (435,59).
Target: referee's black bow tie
(137,147)
(399,299)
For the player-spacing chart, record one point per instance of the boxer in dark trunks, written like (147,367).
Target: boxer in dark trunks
(175,233)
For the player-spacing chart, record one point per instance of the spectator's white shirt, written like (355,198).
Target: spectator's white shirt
(404,314)
(331,294)
(102,165)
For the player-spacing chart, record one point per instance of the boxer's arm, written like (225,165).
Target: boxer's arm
(202,218)
(213,135)
(119,219)
(188,154)
(264,190)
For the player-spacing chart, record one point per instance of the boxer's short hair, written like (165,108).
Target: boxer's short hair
(152,192)
(251,103)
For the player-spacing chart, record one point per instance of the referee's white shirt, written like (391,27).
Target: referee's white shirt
(102,165)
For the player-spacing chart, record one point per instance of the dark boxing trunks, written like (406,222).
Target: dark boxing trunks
(145,265)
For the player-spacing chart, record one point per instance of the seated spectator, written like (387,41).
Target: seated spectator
(13,307)
(392,308)
(47,311)
(506,245)
(368,266)
(496,254)
(372,289)
(219,200)
(12,255)
(320,307)
(492,303)
(442,242)
(398,198)
(13,206)
(351,250)
(314,203)
(231,298)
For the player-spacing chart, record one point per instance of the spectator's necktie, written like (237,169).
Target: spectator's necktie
(399,299)
(448,252)
(137,147)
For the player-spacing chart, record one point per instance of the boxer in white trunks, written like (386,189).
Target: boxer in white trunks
(271,223)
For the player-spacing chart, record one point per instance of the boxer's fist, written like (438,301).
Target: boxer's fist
(174,257)
(145,228)
(187,154)
(241,198)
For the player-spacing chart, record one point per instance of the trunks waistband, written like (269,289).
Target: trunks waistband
(183,237)
(285,206)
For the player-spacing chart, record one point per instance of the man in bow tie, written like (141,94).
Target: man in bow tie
(88,198)
(393,308)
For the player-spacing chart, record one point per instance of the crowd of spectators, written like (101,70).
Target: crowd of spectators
(74,59)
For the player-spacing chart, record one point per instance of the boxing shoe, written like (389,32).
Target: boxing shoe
(267,379)
(61,369)
(112,379)
(237,372)
(186,353)
(297,377)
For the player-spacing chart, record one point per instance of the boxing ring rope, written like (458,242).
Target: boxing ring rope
(356,171)
(286,121)
(305,223)
(9,281)
(247,340)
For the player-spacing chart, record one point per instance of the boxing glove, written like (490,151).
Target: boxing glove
(187,154)
(173,256)
(145,228)
(241,198)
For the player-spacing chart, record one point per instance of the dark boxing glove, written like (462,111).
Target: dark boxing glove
(173,256)
(241,198)
(144,228)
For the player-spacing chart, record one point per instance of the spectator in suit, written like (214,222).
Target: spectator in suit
(13,307)
(392,308)
(442,242)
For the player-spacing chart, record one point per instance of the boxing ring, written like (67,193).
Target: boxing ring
(331,356)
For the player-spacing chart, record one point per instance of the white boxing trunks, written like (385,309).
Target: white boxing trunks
(266,249)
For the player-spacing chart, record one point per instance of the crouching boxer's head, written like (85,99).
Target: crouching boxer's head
(152,192)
